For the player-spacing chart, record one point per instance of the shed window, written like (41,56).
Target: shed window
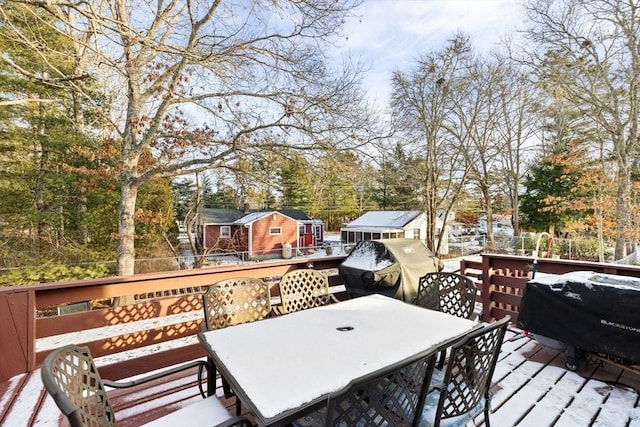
(225,232)
(275,231)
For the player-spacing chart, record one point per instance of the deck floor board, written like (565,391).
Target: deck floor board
(531,388)
(534,389)
(547,409)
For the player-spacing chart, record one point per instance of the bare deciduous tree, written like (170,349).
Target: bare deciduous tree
(519,122)
(474,123)
(195,85)
(422,101)
(597,43)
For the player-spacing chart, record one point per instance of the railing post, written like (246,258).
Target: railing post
(487,288)
(17,333)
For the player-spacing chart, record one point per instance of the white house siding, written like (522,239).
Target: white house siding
(416,228)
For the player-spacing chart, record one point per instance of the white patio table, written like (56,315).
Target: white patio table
(284,367)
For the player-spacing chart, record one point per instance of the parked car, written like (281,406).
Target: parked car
(503,231)
(468,230)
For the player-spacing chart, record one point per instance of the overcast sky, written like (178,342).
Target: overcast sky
(391,34)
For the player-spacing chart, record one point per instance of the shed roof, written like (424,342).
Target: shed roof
(296,214)
(220,216)
(386,219)
(253,216)
(238,216)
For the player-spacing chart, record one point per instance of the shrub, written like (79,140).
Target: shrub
(51,272)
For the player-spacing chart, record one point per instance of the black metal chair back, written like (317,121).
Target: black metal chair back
(467,379)
(450,293)
(391,397)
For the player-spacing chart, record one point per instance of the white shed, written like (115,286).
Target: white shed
(388,225)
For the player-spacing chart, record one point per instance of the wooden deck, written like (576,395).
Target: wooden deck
(24,401)
(532,388)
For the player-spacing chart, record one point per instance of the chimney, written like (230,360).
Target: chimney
(245,208)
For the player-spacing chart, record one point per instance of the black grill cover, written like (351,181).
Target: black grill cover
(389,267)
(596,312)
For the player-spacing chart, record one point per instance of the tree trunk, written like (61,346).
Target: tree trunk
(125,265)
(515,215)
(600,232)
(78,115)
(83,229)
(488,209)
(622,212)
(39,199)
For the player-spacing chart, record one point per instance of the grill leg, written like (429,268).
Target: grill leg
(572,358)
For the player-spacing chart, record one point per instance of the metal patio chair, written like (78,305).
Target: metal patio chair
(450,293)
(465,389)
(234,301)
(456,294)
(303,289)
(392,397)
(231,302)
(70,376)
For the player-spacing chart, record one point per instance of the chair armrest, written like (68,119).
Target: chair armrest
(238,421)
(200,364)
(278,310)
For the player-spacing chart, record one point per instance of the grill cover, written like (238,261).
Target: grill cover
(590,311)
(390,267)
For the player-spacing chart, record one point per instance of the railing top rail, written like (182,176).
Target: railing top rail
(173,297)
(168,275)
(563,265)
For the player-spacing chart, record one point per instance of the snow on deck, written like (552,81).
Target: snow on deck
(531,388)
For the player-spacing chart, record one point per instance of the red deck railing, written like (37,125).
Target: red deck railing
(168,323)
(504,277)
(148,322)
